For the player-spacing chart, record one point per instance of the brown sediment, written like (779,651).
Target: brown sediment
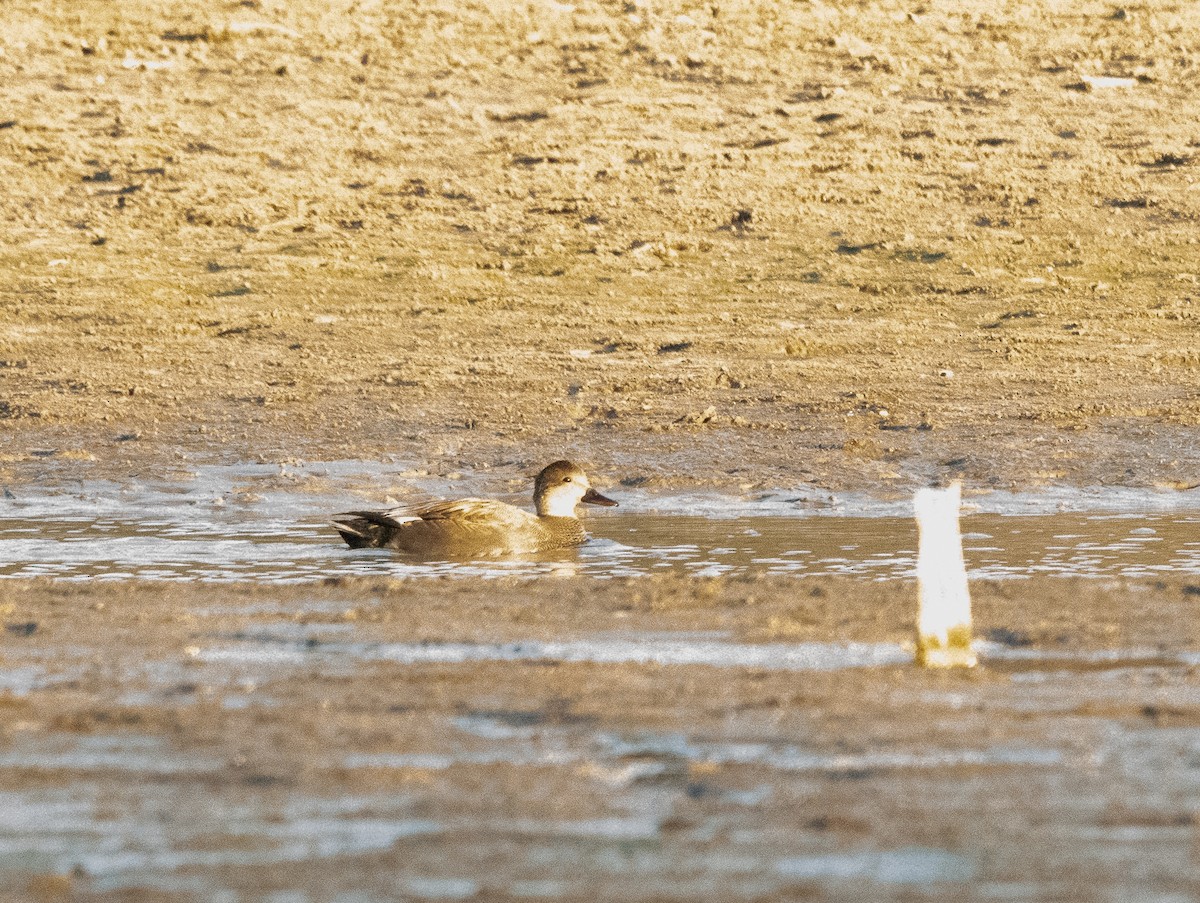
(709,246)
(282,731)
(689,245)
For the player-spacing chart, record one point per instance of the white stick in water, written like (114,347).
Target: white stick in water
(944,616)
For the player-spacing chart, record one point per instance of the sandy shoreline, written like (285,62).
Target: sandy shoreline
(321,235)
(732,248)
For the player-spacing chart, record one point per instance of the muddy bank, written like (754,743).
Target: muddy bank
(179,741)
(857,246)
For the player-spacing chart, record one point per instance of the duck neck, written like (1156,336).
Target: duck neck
(551,505)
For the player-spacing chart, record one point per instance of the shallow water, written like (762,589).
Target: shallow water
(133,810)
(269,523)
(139,841)
(118,822)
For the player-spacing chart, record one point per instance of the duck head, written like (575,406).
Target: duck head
(560,487)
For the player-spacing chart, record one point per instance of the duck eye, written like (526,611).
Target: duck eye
(566,479)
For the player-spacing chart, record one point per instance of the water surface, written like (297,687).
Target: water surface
(270,523)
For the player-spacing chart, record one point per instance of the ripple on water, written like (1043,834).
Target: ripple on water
(658,649)
(267,523)
(54,830)
(907,865)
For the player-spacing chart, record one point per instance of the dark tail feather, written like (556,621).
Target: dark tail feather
(352,533)
(365,529)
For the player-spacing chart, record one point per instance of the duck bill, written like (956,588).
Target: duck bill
(592,497)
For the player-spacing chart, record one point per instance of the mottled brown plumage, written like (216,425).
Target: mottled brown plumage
(481,527)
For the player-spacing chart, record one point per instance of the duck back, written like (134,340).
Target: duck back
(467,528)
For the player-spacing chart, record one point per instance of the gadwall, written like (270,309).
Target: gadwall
(481,527)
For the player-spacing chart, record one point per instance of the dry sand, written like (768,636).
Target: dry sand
(717,243)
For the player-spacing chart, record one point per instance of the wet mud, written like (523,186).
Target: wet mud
(762,269)
(641,738)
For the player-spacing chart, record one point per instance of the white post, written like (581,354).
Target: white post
(944,614)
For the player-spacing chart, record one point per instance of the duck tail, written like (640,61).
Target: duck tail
(365,529)
(350,531)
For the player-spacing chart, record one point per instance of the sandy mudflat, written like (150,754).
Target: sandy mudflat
(725,247)
(595,740)
(857,245)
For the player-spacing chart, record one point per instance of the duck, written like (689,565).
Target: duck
(486,528)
